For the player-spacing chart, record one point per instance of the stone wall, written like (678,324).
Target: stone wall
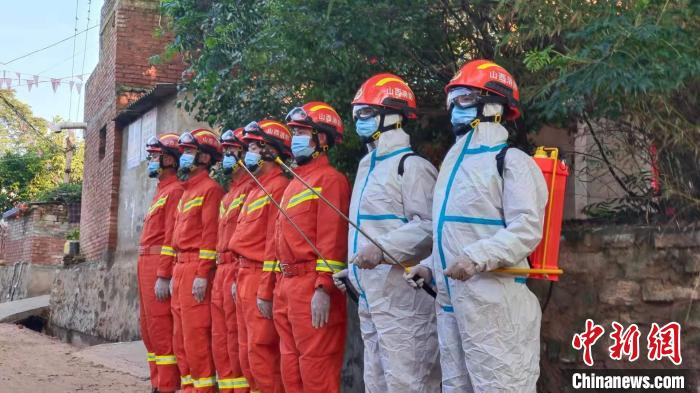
(625,274)
(32,280)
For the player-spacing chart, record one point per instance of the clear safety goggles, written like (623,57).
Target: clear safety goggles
(253,126)
(297,114)
(364,112)
(153,142)
(462,97)
(187,139)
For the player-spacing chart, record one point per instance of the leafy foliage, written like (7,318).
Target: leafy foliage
(626,71)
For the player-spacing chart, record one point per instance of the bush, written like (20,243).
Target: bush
(67,193)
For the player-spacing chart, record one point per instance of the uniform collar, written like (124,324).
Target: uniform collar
(488,134)
(197,178)
(275,171)
(167,180)
(312,165)
(391,141)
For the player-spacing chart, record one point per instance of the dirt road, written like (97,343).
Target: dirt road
(34,363)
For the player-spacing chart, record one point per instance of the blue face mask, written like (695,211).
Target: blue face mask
(365,128)
(186,161)
(252,161)
(229,163)
(300,146)
(462,116)
(153,168)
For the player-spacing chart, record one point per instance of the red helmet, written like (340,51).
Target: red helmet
(319,116)
(272,132)
(233,138)
(387,91)
(164,144)
(202,139)
(489,76)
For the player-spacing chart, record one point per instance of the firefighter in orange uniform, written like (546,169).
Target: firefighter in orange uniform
(224,329)
(254,242)
(309,311)
(155,264)
(194,240)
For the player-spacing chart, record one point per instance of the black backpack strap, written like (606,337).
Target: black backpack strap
(500,159)
(403,159)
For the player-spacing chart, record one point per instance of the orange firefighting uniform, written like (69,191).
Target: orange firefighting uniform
(224,329)
(254,242)
(311,358)
(194,240)
(156,259)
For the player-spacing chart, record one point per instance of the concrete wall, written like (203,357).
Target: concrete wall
(624,274)
(34,280)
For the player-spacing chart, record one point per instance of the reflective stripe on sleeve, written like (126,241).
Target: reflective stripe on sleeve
(207,254)
(167,250)
(271,266)
(335,265)
(186,380)
(151,357)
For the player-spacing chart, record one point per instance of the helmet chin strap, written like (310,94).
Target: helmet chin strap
(487,113)
(387,122)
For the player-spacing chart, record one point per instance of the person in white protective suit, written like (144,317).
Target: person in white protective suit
(488,322)
(391,202)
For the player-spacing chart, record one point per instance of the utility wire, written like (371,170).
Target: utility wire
(82,71)
(72,70)
(48,46)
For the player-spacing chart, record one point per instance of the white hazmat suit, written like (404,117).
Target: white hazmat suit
(398,324)
(488,325)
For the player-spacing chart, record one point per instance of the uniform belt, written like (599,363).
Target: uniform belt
(188,256)
(298,268)
(149,250)
(249,263)
(225,257)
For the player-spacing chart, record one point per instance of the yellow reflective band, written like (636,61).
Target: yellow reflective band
(317,107)
(168,251)
(165,360)
(204,382)
(207,254)
(336,265)
(487,65)
(233,383)
(159,203)
(194,202)
(384,81)
(222,209)
(270,266)
(151,357)
(186,380)
(236,203)
(257,204)
(179,205)
(303,196)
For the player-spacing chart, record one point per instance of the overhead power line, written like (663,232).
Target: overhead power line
(19,114)
(48,46)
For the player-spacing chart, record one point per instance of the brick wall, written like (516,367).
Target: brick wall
(37,236)
(120,77)
(624,274)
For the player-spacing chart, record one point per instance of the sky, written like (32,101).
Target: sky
(29,25)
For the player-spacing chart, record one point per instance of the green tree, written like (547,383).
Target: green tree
(32,158)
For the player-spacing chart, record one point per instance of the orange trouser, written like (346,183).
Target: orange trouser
(192,327)
(156,328)
(224,331)
(257,336)
(311,358)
